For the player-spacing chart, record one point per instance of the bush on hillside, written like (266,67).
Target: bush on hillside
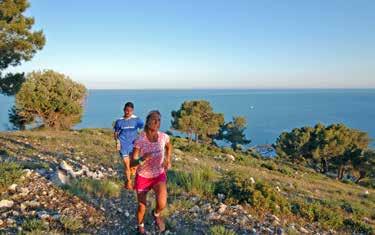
(326,214)
(269,165)
(260,195)
(71,224)
(356,226)
(85,188)
(10,174)
(34,225)
(336,146)
(4,152)
(228,150)
(199,181)
(220,230)
(50,98)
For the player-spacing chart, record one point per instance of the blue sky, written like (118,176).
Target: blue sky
(208,44)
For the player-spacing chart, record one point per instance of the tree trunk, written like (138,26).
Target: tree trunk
(362,175)
(340,172)
(196,138)
(324,165)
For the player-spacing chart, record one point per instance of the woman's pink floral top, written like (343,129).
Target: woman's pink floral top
(153,166)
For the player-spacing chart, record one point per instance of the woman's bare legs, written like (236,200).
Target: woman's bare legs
(160,190)
(142,202)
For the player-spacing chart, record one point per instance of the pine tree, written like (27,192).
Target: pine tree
(196,118)
(18,42)
(51,97)
(233,132)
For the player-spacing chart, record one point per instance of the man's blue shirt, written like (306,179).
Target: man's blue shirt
(127,130)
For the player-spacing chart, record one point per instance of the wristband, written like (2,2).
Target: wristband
(139,160)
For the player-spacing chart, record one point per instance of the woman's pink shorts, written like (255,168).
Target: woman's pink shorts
(143,184)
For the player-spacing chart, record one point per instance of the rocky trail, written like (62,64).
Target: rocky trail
(39,198)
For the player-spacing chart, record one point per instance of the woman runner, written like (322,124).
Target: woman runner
(152,152)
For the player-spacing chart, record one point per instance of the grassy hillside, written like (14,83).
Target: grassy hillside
(211,190)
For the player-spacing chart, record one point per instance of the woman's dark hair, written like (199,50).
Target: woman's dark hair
(129,104)
(148,118)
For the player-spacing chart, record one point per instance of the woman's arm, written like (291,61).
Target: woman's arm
(168,153)
(134,157)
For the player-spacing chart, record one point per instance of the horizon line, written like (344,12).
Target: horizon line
(211,88)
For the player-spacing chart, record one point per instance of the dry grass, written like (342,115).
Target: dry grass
(95,146)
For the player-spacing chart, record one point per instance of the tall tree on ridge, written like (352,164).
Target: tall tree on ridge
(18,42)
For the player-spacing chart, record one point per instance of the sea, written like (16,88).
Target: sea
(268,112)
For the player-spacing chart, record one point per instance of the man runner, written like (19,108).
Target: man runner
(125,133)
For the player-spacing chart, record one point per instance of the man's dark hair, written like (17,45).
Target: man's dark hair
(129,104)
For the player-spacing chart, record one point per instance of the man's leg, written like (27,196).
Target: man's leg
(127,172)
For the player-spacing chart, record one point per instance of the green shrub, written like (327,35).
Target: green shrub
(10,174)
(92,131)
(85,187)
(260,195)
(71,224)
(347,207)
(368,183)
(220,230)
(110,188)
(248,160)
(268,165)
(199,181)
(358,227)
(346,181)
(4,152)
(228,150)
(253,153)
(190,148)
(303,209)
(33,225)
(34,165)
(285,171)
(75,188)
(177,205)
(328,217)
(178,142)
(196,148)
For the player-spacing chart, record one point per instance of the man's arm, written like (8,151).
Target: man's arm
(117,141)
(140,123)
(115,136)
